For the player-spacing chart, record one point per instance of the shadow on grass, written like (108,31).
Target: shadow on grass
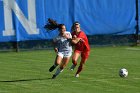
(24,80)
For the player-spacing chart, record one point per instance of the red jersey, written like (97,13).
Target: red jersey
(82,45)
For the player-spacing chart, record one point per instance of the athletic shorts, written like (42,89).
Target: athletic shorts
(84,54)
(64,54)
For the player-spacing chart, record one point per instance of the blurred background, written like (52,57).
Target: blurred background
(106,22)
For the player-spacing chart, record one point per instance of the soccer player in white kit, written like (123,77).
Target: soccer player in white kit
(63,49)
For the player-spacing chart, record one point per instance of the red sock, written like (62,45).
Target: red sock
(80,68)
(74,62)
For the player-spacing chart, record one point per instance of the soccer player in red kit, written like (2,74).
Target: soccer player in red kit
(82,47)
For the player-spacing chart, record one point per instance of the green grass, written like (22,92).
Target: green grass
(27,72)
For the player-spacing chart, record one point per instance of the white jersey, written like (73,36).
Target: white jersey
(63,44)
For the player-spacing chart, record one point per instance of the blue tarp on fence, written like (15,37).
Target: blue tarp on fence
(22,20)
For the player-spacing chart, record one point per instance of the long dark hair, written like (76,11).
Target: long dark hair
(52,25)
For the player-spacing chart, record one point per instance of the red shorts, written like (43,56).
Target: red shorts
(84,54)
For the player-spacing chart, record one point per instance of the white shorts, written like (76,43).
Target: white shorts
(64,54)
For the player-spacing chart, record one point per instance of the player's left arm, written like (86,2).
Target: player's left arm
(68,36)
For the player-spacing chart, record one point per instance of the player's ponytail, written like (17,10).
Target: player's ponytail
(51,25)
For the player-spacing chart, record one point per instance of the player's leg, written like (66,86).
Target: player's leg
(80,68)
(57,62)
(65,61)
(62,66)
(84,57)
(74,59)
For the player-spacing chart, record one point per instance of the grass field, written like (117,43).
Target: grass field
(27,72)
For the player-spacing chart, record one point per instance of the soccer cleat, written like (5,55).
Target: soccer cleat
(54,76)
(52,68)
(77,75)
(72,67)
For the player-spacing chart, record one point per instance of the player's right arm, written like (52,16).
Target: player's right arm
(55,44)
(80,38)
(75,40)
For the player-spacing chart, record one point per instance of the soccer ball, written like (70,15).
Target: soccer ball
(123,72)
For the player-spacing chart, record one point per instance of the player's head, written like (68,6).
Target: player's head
(62,28)
(76,27)
(76,23)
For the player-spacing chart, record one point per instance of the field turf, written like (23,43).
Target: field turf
(27,72)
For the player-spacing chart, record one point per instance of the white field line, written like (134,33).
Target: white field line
(29,59)
(22,69)
(107,81)
(117,84)
(135,49)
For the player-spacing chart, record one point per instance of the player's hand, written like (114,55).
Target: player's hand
(56,50)
(74,36)
(81,40)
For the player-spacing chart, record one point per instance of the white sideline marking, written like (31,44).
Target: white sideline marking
(136,49)
(114,83)
(136,78)
(74,81)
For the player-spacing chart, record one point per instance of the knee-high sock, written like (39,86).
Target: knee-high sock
(80,68)
(55,65)
(74,62)
(58,71)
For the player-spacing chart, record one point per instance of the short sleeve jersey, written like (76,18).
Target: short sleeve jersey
(63,44)
(81,45)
